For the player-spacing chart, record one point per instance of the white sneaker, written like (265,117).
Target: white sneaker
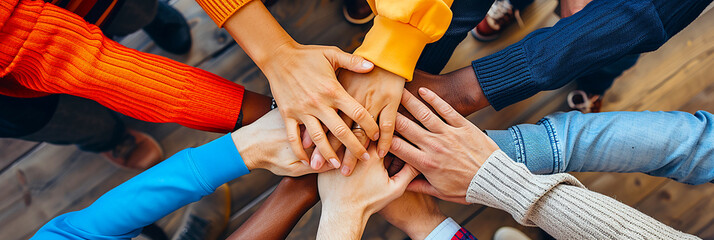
(509,233)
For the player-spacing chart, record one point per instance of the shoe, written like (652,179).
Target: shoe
(584,102)
(498,18)
(169,30)
(357,11)
(137,151)
(509,233)
(207,218)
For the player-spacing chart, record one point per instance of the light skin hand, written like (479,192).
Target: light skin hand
(570,7)
(303,81)
(263,144)
(448,153)
(347,202)
(379,91)
(416,214)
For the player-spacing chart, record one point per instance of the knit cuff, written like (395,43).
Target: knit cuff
(214,98)
(221,10)
(505,76)
(509,186)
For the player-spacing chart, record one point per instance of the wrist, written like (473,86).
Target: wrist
(472,94)
(419,229)
(341,221)
(246,148)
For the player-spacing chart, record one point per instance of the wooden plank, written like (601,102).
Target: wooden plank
(669,203)
(11,149)
(702,101)
(629,188)
(699,219)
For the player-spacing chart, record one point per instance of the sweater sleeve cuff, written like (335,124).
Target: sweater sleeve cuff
(505,76)
(218,162)
(509,186)
(221,10)
(212,103)
(394,46)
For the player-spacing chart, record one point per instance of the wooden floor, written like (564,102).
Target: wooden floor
(39,181)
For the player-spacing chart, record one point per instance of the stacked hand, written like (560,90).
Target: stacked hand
(448,153)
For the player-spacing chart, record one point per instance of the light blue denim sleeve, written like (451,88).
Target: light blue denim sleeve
(181,179)
(676,145)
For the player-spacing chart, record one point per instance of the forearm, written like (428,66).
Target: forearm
(665,144)
(601,33)
(560,205)
(122,212)
(47,49)
(254,106)
(285,206)
(259,41)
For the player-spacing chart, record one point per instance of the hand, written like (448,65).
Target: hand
(263,144)
(570,7)
(347,202)
(380,91)
(416,214)
(460,89)
(303,81)
(448,154)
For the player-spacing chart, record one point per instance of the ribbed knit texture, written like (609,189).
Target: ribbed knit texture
(560,205)
(221,10)
(45,50)
(600,34)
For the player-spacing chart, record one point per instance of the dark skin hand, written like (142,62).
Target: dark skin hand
(282,210)
(459,88)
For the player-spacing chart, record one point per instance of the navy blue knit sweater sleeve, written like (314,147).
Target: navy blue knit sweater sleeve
(603,32)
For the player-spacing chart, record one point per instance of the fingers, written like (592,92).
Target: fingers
(344,134)
(386,126)
(408,153)
(349,161)
(348,61)
(410,130)
(423,186)
(405,176)
(442,107)
(293,131)
(421,112)
(360,115)
(317,134)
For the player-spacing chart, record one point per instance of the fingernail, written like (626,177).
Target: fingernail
(376,136)
(367,64)
(305,162)
(423,91)
(345,170)
(334,163)
(382,153)
(365,156)
(314,162)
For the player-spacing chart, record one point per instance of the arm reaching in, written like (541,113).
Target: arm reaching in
(464,165)
(179,180)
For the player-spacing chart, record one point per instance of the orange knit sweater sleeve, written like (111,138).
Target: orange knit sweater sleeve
(45,49)
(221,10)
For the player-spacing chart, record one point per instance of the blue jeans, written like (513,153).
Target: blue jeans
(676,145)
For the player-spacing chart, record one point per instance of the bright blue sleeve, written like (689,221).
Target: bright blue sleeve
(122,212)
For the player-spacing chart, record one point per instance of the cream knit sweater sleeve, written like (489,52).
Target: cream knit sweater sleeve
(560,204)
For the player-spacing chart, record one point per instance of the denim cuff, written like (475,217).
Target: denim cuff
(534,145)
(505,76)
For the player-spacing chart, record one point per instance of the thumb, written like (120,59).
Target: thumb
(423,186)
(404,176)
(350,62)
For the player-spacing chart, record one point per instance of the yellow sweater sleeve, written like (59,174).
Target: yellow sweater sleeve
(221,10)
(401,30)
